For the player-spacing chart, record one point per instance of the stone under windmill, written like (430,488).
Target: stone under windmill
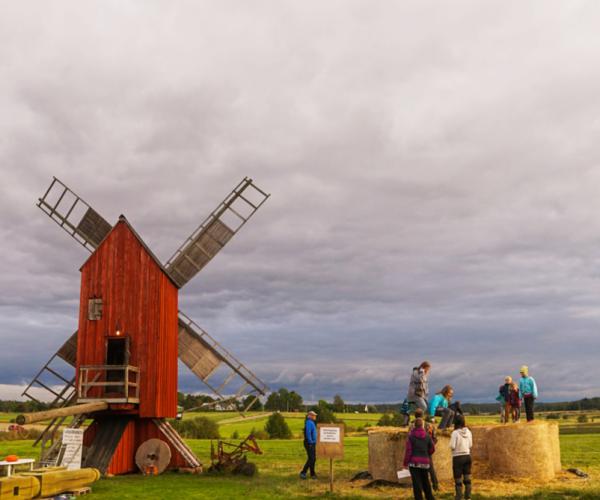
(131,334)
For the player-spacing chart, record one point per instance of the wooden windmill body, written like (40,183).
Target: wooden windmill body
(131,335)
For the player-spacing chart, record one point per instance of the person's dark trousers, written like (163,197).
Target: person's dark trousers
(434,479)
(420,483)
(461,470)
(311,453)
(447,416)
(456,407)
(528,399)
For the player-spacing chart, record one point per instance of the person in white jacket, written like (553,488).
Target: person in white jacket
(461,442)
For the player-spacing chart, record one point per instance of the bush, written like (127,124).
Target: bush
(553,416)
(17,436)
(325,415)
(197,428)
(235,435)
(385,421)
(277,428)
(565,416)
(259,434)
(582,419)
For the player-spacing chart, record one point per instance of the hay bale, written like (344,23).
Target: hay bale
(479,452)
(555,444)
(524,450)
(386,453)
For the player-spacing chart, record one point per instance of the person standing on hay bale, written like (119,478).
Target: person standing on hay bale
(310,445)
(440,407)
(529,391)
(461,442)
(418,387)
(417,457)
(429,429)
(514,399)
(504,397)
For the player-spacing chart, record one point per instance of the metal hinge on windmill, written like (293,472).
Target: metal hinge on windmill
(125,352)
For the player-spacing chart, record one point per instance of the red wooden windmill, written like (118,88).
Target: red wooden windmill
(131,334)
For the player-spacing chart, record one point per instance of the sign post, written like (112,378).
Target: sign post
(330,444)
(72,442)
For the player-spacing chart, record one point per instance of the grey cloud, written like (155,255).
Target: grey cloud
(433,172)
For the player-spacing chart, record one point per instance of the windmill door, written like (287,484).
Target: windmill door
(117,355)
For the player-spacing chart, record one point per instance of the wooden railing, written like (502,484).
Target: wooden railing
(110,383)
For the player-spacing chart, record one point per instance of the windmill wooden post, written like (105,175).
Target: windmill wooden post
(131,334)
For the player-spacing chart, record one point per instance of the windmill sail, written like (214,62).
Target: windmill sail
(215,231)
(52,378)
(74,215)
(203,355)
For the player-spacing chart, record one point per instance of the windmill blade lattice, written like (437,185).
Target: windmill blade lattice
(203,355)
(215,231)
(74,215)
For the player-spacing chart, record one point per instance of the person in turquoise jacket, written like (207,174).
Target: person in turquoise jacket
(439,406)
(529,392)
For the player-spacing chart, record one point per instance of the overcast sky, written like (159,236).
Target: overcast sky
(434,170)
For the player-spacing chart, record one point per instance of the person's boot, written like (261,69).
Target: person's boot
(458,490)
(468,487)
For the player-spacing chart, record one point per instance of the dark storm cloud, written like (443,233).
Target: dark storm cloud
(434,173)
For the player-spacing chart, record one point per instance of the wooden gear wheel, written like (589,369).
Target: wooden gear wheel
(153,456)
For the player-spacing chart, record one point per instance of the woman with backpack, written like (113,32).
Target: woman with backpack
(417,457)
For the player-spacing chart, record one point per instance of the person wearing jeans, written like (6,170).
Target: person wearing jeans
(310,445)
(418,387)
(439,407)
(529,392)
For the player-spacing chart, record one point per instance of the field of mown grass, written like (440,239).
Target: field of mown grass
(281,461)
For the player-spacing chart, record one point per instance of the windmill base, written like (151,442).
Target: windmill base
(111,442)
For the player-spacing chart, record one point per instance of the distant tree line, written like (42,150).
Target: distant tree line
(22,406)
(289,400)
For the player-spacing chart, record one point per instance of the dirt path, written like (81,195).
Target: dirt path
(245,419)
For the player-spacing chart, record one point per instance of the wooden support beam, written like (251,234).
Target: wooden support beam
(38,416)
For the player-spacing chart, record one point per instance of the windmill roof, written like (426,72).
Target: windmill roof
(124,220)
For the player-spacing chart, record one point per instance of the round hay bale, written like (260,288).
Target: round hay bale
(386,453)
(524,450)
(479,452)
(555,444)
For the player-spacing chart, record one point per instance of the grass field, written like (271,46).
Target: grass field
(281,461)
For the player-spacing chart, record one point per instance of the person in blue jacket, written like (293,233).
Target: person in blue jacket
(439,406)
(310,445)
(529,392)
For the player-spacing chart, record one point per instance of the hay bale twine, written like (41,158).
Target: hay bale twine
(386,453)
(524,450)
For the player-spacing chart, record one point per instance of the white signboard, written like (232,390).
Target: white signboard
(403,474)
(72,443)
(329,434)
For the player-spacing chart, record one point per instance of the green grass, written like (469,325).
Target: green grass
(279,465)
(282,459)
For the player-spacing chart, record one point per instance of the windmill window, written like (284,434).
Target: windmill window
(94,309)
